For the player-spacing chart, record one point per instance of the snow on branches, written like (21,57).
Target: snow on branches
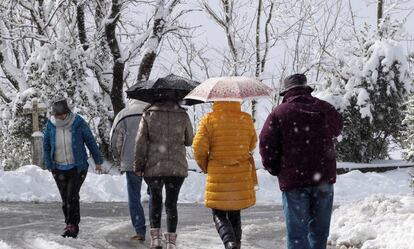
(369,80)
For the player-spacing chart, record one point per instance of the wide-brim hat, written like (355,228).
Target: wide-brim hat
(294,81)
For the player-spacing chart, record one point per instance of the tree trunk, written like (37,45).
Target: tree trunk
(119,64)
(258,60)
(380,5)
(154,40)
(228,13)
(146,65)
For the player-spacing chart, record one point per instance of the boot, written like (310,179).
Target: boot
(238,245)
(225,230)
(238,233)
(231,245)
(155,234)
(170,240)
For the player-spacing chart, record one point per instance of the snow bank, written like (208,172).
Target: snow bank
(355,185)
(32,184)
(377,222)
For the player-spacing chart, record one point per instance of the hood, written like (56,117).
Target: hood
(226,106)
(133,107)
(136,105)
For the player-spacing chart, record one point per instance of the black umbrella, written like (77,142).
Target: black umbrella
(171,87)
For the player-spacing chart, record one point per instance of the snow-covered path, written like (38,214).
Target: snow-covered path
(106,225)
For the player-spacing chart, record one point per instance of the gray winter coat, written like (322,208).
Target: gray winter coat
(123,134)
(164,132)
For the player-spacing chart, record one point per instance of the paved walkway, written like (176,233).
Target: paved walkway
(107,225)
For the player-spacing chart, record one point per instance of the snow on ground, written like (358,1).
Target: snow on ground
(39,243)
(376,222)
(3,245)
(32,184)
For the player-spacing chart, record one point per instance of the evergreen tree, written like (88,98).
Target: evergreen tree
(373,80)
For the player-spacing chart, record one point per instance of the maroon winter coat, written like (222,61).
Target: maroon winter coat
(296,142)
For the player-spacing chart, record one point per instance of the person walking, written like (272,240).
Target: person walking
(123,134)
(164,132)
(223,148)
(297,146)
(65,137)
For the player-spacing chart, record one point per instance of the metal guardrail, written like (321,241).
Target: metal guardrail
(342,169)
(381,169)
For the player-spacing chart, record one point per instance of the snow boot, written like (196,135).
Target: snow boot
(155,234)
(231,245)
(170,240)
(237,232)
(226,232)
(70,231)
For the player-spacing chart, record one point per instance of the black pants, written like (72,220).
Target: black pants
(172,190)
(228,225)
(69,183)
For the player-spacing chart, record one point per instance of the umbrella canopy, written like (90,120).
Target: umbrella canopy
(171,87)
(234,88)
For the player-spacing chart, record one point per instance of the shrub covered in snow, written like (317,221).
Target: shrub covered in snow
(369,81)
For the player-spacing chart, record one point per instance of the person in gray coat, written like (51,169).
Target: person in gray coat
(123,134)
(164,132)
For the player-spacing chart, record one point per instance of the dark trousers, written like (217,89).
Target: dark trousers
(172,190)
(228,225)
(69,183)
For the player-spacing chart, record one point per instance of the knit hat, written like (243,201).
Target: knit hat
(60,106)
(294,81)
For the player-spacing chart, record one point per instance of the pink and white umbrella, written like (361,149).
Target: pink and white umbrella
(233,88)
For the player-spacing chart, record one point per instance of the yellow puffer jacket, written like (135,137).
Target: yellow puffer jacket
(222,148)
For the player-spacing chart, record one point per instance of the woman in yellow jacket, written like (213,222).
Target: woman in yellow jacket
(222,148)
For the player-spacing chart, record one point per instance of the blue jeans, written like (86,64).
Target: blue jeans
(136,211)
(308,216)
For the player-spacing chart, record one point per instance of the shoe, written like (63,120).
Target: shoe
(170,240)
(71,231)
(65,232)
(138,237)
(155,234)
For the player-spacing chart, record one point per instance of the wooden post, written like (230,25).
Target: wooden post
(37,137)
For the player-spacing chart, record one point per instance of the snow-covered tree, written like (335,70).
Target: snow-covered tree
(370,82)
